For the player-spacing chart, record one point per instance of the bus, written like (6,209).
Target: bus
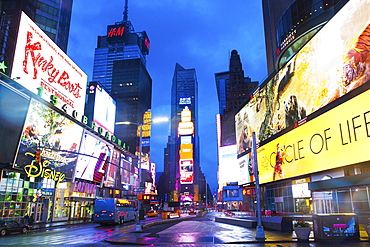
(114,211)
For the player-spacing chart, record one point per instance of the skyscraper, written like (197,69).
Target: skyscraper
(233,91)
(120,66)
(184,112)
(53,17)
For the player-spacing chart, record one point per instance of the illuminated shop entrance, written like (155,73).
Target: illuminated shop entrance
(302,196)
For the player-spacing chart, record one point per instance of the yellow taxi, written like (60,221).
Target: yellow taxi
(152,213)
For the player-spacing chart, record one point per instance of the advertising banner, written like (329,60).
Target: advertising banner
(113,176)
(186,128)
(104,109)
(93,160)
(186,151)
(43,68)
(227,164)
(125,171)
(333,63)
(186,139)
(186,171)
(56,138)
(328,141)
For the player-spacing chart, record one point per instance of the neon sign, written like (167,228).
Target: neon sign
(84,187)
(116,31)
(39,169)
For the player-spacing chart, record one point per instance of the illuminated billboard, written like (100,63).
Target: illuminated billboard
(330,65)
(186,128)
(186,151)
(56,137)
(186,139)
(43,68)
(146,126)
(113,175)
(125,172)
(186,171)
(185,115)
(185,101)
(117,32)
(104,109)
(227,164)
(328,141)
(94,158)
(246,174)
(300,188)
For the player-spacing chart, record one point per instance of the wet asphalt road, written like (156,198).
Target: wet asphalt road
(203,231)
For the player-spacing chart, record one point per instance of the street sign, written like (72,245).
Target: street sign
(139,189)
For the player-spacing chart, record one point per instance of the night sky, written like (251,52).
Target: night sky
(196,34)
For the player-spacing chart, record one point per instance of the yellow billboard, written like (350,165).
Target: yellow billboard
(186,151)
(331,140)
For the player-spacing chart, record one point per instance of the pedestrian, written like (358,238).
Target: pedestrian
(31,221)
(25,219)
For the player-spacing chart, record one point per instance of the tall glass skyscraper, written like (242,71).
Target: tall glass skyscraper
(52,16)
(120,66)
(184,95)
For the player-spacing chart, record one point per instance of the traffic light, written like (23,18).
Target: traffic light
(140,197)
(38,156)
(143,197)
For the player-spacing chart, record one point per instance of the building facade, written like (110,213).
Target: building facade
(233,90)
(303,153)
(55,161)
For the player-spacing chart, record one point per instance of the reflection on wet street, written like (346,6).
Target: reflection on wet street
(201,231)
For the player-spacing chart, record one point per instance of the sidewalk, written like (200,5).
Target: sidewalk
(248,237)
(50,225)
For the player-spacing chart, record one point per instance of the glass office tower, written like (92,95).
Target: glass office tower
(120,66)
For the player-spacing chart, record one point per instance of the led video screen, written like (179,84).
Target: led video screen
(328,141)
(186,171)
(104,110)
(112,178)
(332,64)
(93,159)
(227,164)
(55,136)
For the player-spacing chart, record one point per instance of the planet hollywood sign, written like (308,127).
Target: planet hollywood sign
(84,187)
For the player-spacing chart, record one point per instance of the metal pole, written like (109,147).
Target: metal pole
(260,234)
(206,195)
(138,224)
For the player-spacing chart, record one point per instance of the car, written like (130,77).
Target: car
(152,213)
(9,226)
(192,211)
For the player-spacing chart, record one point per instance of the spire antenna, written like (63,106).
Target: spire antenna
(125,13)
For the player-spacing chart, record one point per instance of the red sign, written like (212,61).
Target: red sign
(116,31)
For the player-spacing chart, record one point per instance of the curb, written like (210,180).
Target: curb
(167,221)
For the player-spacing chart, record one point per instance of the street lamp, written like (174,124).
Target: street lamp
(138,227)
